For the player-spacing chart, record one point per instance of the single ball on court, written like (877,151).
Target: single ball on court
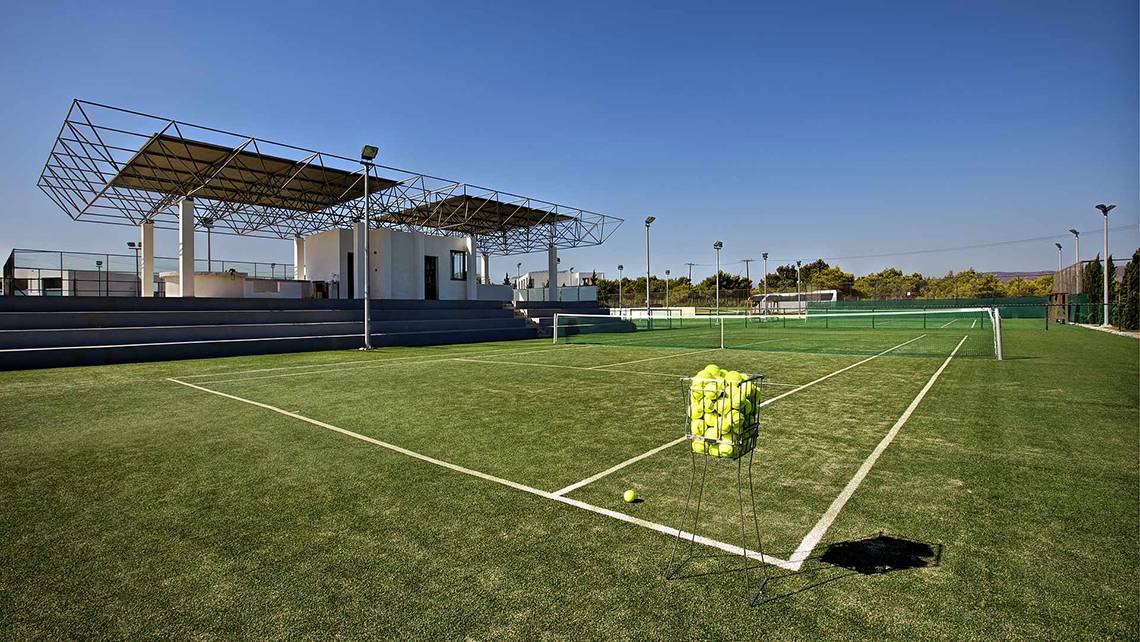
(630,496)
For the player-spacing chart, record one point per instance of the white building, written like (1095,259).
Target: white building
(566,279)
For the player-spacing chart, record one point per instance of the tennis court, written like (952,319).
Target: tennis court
(555,432)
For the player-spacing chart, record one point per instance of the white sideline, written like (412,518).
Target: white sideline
(660,528)
(226,373)
(803,551)
(379,363)
(634,460)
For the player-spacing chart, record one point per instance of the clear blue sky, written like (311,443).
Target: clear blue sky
(801,129)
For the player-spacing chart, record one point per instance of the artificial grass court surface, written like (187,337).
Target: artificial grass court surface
(133,506)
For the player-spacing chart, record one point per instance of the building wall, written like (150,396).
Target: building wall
(326,259)
(397,262)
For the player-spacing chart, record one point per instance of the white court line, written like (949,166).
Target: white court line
(660,528)
(803,551)
(949,322)
(227,373)
(379,363)
(975,322)
(840,371)
(633,460)
(613,469)
(598,369)
(666,356)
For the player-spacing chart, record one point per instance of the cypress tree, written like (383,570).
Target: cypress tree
(1093,286)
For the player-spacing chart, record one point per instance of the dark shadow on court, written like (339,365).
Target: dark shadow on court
(874,555)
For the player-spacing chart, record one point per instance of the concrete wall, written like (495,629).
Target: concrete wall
(326,259)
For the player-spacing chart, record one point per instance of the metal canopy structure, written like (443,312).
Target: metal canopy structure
(118,166)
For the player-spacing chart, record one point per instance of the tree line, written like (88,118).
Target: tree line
(890,283)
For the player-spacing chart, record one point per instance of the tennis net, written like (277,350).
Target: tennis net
(902,332)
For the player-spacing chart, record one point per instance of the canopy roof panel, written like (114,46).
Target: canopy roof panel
(179,166)
(118,166)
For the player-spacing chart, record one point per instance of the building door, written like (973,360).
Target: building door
(431,278)
(350,275)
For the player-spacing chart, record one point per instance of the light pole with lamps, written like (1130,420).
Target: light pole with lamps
(648,221)
(367,154)
(666,287)
(765,257)
(620,268)
(1105,209)
(99,278)
(1060,258)
(799,306)
(717,246)
(518,274)
(1077,254)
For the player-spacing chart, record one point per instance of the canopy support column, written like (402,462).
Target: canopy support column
(146,274)
(551,273)
(186,247)
(298,257)
(485,267)
(472,286)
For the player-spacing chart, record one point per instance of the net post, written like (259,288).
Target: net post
(555,328)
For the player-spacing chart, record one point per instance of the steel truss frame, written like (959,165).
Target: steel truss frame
(118,166)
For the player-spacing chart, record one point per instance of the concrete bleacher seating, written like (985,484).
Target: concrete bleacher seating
(38,332)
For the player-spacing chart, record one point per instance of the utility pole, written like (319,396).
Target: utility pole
(747,275)
(690,273)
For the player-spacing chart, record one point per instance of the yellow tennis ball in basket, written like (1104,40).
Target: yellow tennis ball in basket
(711,421)
(733,419)
(723,405)
(714,450)
(746,407)
(698,426)
(711,390)
(699,446)
(726,450)
(712,432)
(733,377)
(696,409)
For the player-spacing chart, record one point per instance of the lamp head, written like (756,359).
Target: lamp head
(1058,245)
(718,245)
(765,255)
(1105,209)
(667,273)
(1075,233)
(649,220)
(368,152)
(621,267)
(132,244)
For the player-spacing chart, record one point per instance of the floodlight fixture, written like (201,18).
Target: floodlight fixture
(369,152)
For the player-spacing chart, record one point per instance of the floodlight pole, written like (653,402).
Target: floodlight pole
(1105,209)
(648,221)
(799,306)
(138,282)
(621,303)
(1077,255)
(717,246)
(765,256)
(666,287)
(1060,259)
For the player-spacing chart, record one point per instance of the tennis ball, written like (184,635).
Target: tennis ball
(714,450)
(712,432)
(712,367)
(733,419)
(725,450)
(697,426)
(630,496)
(712,391)
(699,446)
(711,419)
(733,377)
(746,407)
(696,409)
(723,405)
(747,389)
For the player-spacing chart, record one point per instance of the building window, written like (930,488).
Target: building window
(458,265)
(51,286)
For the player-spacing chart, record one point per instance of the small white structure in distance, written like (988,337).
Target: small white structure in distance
(790,302)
